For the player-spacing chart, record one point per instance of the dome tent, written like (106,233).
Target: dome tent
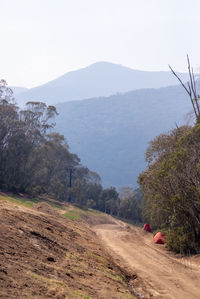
(147,227)
(159,238)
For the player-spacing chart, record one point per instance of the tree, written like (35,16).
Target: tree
(171,187)
(191,89)
(36,120)
(130,204)
(108,201)
(31,160)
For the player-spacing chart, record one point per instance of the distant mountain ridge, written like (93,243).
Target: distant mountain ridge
(98,79)
(17,90)
(111,134)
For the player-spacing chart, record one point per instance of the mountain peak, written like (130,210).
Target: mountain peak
(105,64)
(98,79)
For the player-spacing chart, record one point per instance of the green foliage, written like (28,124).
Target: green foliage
(171,187)
(130,204)
(35,161)
(72,215)
(32,160)
(181,242)
(19,200)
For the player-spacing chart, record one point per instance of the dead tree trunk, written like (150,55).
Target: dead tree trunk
(191,89)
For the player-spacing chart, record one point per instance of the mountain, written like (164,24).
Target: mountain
(98,79)
(111,134)
(17,90)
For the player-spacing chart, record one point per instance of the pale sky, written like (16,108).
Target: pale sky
(43,39)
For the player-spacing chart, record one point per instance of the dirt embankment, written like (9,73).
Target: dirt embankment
(160,274)
(45,255)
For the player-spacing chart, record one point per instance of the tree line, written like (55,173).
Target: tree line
(171,187)
(36,160)
(171,182)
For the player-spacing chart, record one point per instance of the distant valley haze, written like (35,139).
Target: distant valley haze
(111,134)
(108,114)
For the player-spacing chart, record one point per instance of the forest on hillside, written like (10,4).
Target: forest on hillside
(171,183)
(111,134)
(34,160)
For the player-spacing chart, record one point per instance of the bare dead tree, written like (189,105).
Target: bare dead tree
(191,89)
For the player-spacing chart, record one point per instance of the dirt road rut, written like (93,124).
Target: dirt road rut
(160,273)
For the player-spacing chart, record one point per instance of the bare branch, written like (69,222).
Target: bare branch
(191,78)
(192,100)
(193,86)
(179,79)
(191,89)
(194,81)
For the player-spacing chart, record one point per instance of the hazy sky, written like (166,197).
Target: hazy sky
(43,39)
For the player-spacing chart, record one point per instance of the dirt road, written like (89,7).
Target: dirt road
(160,274)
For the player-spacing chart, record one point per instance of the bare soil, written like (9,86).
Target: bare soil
(44,255)
(160,274)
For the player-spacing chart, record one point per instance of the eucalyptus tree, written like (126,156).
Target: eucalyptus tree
(171,187)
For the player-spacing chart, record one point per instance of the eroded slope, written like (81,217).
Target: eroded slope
(45,255)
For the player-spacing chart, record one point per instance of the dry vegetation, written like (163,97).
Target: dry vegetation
(48,252)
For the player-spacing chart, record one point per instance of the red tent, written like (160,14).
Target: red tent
(147,227)
(159,238)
